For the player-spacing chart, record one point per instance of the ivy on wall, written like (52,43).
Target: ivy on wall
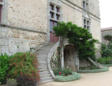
(80,37)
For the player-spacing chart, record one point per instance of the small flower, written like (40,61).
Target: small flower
(59,73)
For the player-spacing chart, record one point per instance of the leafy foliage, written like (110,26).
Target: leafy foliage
(108,37)
(63,72)
(79,37)
(23,64)
(4,65)
(105,60)
(106,50)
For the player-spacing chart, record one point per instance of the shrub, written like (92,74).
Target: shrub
(23,65)
(63,72)
(4,66)
(105,60)
(79,37)
(106,50)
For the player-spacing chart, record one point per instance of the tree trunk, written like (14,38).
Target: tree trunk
(62,52)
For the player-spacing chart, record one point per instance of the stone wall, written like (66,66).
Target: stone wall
(26,26)
(94,7)
(13,40)
(71,13)
(28,14)
(28,18)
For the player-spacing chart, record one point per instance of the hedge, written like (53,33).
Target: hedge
(94,70)
(74,76)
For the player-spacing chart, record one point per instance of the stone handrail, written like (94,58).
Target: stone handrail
(52,51)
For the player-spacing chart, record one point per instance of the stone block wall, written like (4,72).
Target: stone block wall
(13,40)
(71,13)
(28,14)
(26,26)
(27,23)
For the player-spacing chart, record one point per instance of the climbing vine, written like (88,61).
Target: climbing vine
(80,37)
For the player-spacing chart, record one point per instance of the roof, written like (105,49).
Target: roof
(106,29)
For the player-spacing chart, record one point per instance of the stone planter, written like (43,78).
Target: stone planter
(26,81)
(11,82)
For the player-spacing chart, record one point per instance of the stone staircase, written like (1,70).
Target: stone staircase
(42,56)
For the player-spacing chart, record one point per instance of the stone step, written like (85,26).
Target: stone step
(44,72)
(48,75)
(42,59)
(43,67)
(42,82)
(45,79)
(43,52)
(42,56)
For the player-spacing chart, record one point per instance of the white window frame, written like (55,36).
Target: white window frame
(55,13)
(85,24)
(86,5)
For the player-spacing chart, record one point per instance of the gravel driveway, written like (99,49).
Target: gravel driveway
(91,79)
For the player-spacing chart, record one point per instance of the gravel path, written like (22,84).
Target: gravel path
(91,79)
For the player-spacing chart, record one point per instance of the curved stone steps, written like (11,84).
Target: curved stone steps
(42,56)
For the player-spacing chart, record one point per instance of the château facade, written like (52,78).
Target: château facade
(27,24)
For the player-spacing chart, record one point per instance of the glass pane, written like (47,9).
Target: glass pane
(51,14)
(52,24)
(88,27)
(85,26)
(57,9)
(88,23)
(84,4)
(57,16)
(84,21)
(51,6)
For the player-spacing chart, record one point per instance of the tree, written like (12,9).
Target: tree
(77,36)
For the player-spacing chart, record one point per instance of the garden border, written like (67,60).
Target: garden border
(94,70)
(74,76)
(107,65)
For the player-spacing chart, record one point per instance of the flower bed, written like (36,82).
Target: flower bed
(74,76)
(94,70)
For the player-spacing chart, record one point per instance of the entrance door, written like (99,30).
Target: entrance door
(53,37)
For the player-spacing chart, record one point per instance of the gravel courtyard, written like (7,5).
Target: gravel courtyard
(91,79)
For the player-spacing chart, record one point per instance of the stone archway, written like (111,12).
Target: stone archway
(71,58)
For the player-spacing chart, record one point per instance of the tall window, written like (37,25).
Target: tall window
(85,4)
(1,6)
(54,15)
(86,23)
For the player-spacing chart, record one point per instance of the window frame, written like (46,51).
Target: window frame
(86,5)
(86,24)
(57,14)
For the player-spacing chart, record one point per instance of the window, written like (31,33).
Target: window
(1,6)
(85,4)
(86,22)
(54,15)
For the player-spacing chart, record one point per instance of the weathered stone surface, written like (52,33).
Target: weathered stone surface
(34,15)
(29,14)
